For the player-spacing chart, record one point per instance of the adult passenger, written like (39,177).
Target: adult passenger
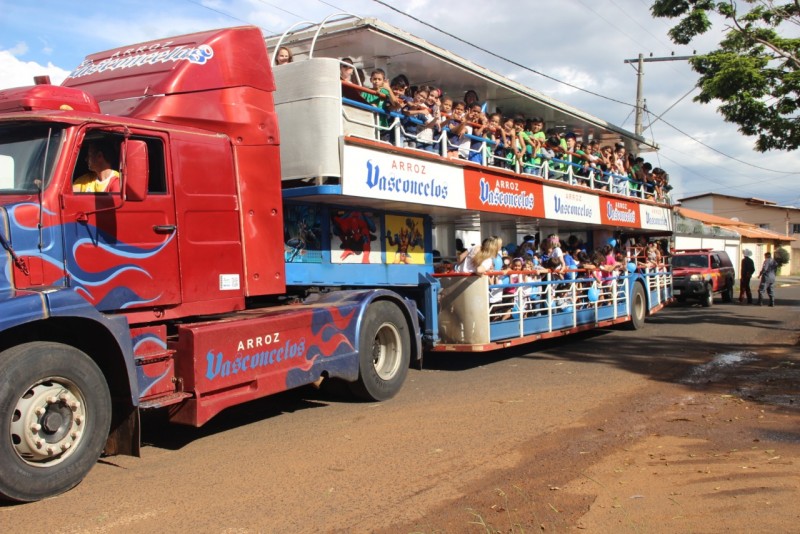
(101,178)
(480,259)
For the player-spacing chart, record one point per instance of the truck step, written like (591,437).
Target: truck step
(164,400)
(153,357)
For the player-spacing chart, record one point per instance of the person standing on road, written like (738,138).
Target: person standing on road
(768,270)
(747,270)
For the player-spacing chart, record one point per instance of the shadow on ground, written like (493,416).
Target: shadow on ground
(771,377)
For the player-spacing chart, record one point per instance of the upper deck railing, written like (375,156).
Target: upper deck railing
(315,107)
(388,127)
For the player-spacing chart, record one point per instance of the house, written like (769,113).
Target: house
(763,225)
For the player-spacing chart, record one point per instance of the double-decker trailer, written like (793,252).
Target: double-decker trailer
(424,192)
(262,236)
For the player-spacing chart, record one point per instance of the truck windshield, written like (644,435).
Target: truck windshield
(690,260)
(28,153)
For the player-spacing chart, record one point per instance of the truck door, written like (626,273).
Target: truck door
(120,255)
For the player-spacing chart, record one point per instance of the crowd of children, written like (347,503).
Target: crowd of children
(512,271)
(427,118)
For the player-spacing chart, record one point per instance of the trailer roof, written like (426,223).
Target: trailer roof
(375,44)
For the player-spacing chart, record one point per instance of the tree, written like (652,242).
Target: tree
(781,256)
(755,72)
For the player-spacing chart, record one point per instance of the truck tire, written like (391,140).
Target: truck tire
(384,352)
(638,307)
(727,293)
(707,300)
(55,414)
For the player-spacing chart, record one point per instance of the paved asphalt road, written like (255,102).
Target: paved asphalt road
(311,461)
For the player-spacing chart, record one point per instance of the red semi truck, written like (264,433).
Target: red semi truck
(163,295)
(238,260)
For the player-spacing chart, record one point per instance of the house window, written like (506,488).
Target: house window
(795,228)
(764,226)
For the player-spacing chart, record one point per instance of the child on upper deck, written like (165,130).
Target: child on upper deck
(477,121)
(534,141)
(384,99)
(493,133)
(458,143)
(419,135)
(398,87)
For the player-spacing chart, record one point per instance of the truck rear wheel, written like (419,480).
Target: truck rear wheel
(727,293)
(384,352)
(55,414)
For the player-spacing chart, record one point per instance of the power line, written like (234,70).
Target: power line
(512,62)
(690,191)
(638,44)
(281,9)
(620,31)
(648,32)
(331,5)
(660,154)
(498,56)
(690,91)
(517,64)
(622,124)
(727,155)
(200,4)
(747,187)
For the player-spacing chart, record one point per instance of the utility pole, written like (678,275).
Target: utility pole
(640,61)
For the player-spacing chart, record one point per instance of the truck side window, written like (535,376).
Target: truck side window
(85,178)
(97,168)
(158,174)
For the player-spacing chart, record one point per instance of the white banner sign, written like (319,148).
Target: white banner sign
(655,217)
(567,205)
(374,174)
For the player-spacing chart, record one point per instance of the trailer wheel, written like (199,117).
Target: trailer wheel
(384,352)
(638,307)
(55,414)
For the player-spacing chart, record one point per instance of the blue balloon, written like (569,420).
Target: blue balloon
(631,267)
(593,294)
(612,242)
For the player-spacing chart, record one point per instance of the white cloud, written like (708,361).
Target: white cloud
(16,73)
(19,49)
(571,75)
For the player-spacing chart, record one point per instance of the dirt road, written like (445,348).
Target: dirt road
(692,425)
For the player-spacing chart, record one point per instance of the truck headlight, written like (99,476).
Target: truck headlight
(696,278)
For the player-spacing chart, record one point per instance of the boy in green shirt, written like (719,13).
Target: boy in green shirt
(385,99)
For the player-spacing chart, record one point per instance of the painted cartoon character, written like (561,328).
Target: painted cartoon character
(304,237)
(355,230)
(407,238)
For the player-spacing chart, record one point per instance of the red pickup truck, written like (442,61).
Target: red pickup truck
(700,273)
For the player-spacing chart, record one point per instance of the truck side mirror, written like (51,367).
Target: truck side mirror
(135,170)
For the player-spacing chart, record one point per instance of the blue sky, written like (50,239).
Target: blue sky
(583,42)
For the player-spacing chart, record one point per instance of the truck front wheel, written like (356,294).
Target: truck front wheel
(384,352)
(55,413)
(707,300)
